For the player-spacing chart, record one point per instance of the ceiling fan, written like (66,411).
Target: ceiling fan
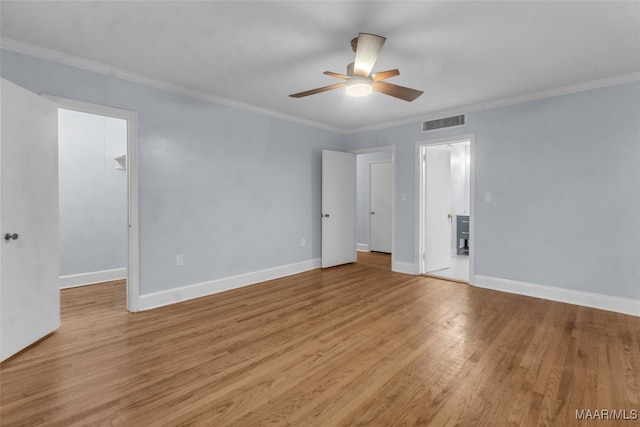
(359,81)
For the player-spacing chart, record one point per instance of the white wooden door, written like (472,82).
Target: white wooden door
(381,181)
(29,251)
(338,208)
(438,208)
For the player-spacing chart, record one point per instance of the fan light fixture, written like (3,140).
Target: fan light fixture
(359,86)
(359,81)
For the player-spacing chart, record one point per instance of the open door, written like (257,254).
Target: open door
(381,182)
(338,208)
(438,216)
(29,249)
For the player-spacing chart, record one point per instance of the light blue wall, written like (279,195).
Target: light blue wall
(564,179)
(565,182)
(232,190)
(93,193)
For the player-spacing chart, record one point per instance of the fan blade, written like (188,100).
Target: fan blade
(367,51)
(384,75)
(337,75)
(318,90)
(396,91)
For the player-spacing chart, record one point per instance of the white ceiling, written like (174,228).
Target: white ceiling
(257,53)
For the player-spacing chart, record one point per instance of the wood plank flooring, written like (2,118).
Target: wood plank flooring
(355,345)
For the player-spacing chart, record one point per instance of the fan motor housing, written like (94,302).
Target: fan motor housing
(350,69)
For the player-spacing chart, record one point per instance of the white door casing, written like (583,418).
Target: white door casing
(438,215)
(133,263)
(29,265)
(338,208)
(381,182)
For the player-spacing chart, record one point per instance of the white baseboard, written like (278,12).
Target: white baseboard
(82,279)
(197,290)
(405,267)
(587,299)
(363,247)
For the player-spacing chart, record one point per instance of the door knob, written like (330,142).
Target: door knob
(10,236)
(372,213)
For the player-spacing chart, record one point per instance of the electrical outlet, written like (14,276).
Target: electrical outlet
(179,260)
(303,242)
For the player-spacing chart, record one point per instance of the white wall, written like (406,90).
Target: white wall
(93,194)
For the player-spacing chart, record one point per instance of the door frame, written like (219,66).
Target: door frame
(133,239)
(421,199)
(391,148)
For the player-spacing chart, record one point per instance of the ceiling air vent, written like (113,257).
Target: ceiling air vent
(447,122)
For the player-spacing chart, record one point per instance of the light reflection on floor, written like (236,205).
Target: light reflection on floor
(459,269)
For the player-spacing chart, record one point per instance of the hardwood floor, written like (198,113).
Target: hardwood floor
(351,345)
(375,259)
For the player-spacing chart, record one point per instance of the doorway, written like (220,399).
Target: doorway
(375,202)
(116,159)
(92,198)
(445,204)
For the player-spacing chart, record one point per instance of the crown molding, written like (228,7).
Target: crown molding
(97,67)
(502,102)
(85,64)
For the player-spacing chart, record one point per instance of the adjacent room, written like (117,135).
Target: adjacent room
(319,213)
(445,206)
